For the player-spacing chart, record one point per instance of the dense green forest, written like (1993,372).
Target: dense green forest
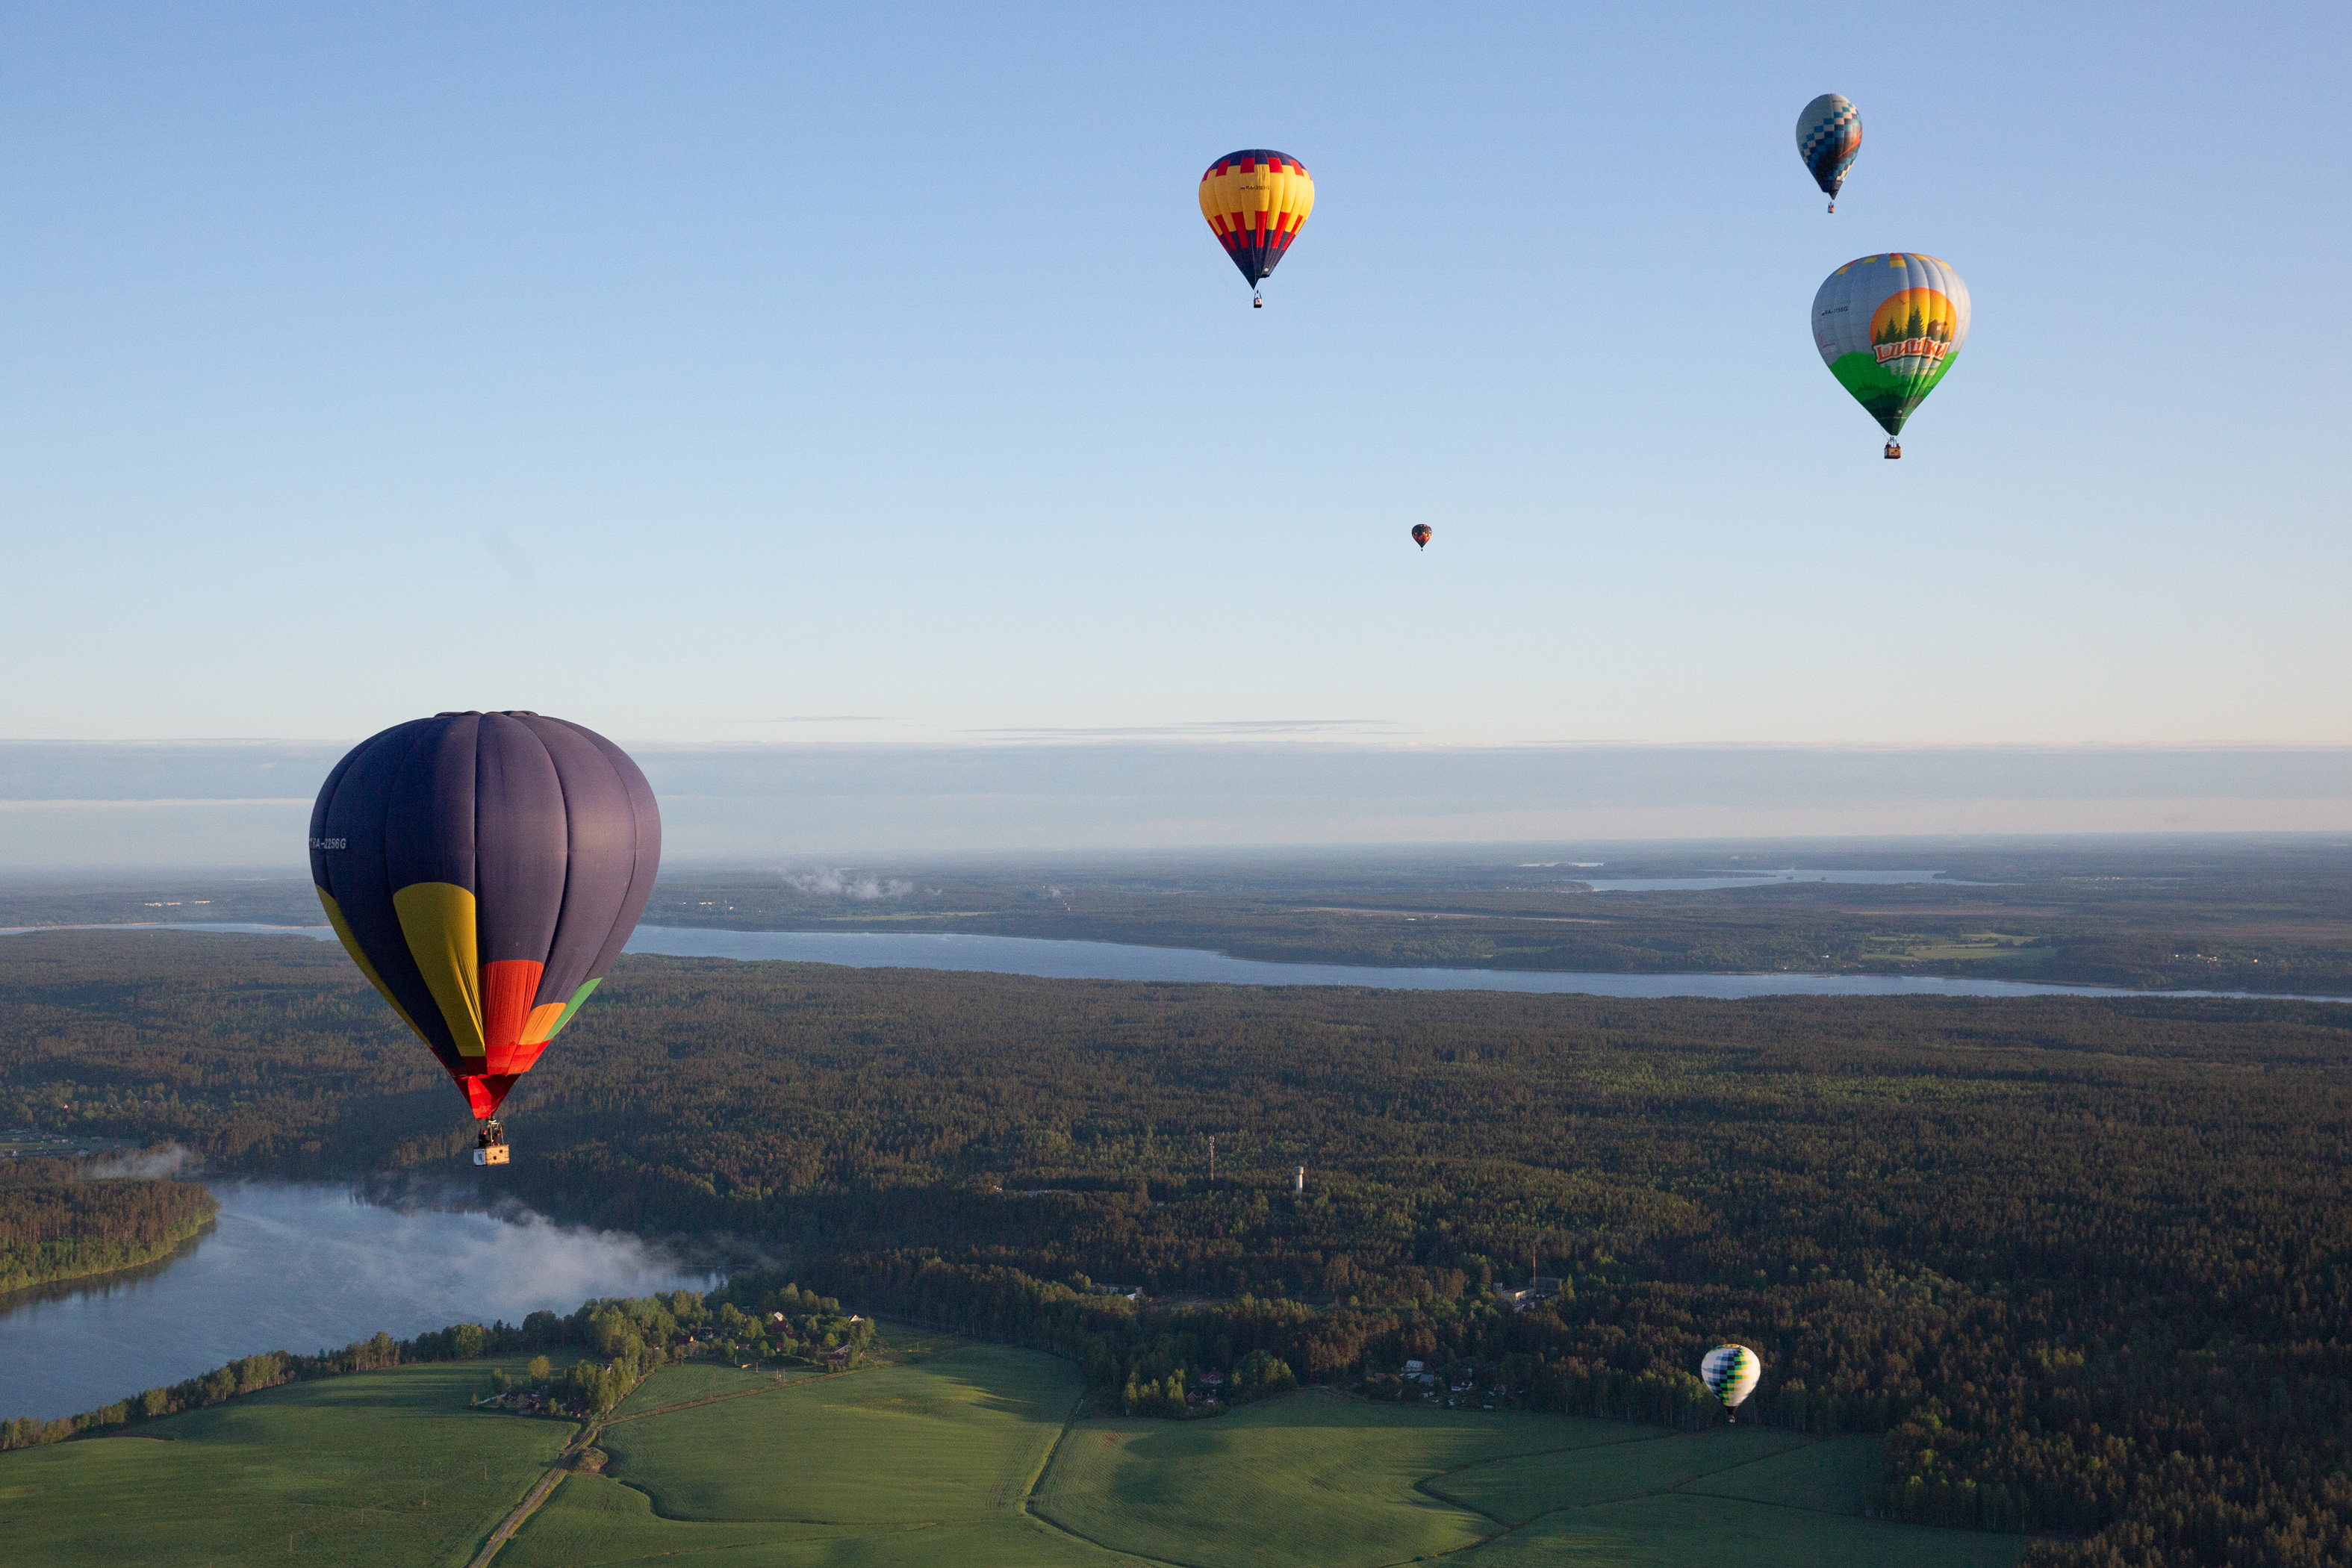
(2088,1263)
(56,1223)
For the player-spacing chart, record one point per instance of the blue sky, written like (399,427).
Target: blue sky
(768,375)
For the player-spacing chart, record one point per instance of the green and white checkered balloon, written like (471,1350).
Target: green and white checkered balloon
(1731,1372)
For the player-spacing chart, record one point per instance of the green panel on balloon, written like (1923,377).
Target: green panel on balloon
(573,1005)
(1889,327)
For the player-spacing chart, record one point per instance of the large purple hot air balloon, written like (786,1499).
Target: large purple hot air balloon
(483,871)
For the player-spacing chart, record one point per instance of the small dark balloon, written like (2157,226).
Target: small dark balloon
(1421,534)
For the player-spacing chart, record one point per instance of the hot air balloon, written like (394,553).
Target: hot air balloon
(1255,201)
(1731,1372)
(1828,133)
(1423,533)
(483,871)
(1888,328)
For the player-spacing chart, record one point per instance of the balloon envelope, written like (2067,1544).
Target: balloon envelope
(1255,201)
(1423,533)
(1829,134)
(1888,328)
(483,871)
(1731,1372)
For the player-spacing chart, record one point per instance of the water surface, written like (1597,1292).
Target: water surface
(1054,959)
(303,1266)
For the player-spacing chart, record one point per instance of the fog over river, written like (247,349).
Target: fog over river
(303,1266)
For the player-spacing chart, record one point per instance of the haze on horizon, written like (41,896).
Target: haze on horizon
(92,805)
(804,383)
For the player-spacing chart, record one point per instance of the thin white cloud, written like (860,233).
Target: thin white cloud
(105,804)
(1200,729)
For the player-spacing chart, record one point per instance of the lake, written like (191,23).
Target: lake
(1053,959)
(303,1266)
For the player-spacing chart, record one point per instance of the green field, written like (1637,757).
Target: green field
(963,1434)
(702,1380)
(1524,1488)
(1319,1479)
(930,1462)
(387,1468)
(965,1459)
(1312,1478)
(1963,947)
(1685,1526)
(970,1456)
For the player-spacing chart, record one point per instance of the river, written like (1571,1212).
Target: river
(303,1266)
(1054,959)
(1061,960)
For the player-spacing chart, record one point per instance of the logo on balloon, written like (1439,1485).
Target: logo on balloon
(1912,329)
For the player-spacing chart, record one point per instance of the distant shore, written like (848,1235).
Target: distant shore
(58,1228)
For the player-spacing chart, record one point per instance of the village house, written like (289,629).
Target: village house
(1542,1288)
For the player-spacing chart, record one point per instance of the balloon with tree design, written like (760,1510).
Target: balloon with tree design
(1889,327)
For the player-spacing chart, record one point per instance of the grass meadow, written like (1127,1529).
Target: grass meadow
(387,1468)
(928,1463)
(966,1457)
(1642,1459)
(701,1380)
(1311,1479)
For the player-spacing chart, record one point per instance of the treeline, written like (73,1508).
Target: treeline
(616,1340)
(2088,1264)
(56,1223)
(270,1369)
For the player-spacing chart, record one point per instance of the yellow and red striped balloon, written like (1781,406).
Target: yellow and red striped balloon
(1255,201)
